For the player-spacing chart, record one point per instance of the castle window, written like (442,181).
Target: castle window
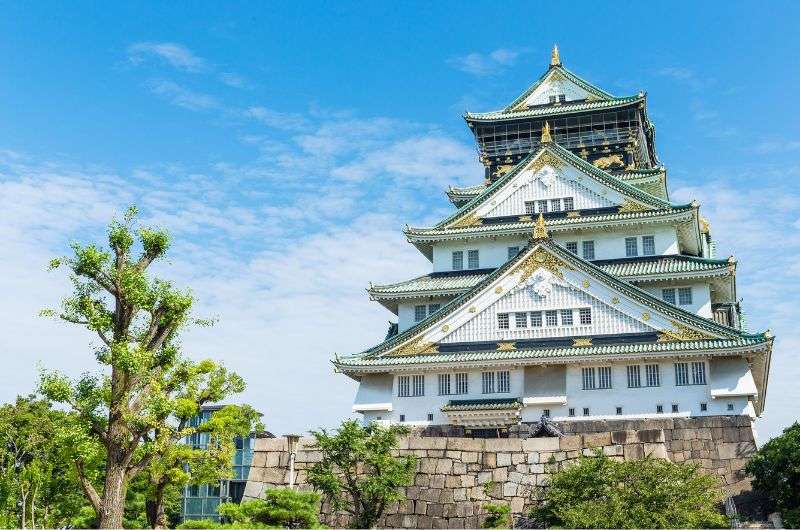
(461,383)
(512,252)
(472,259)
(569,203)
(648,246)
(684,296)
(571,412)
(417,385)
(521,320)
(502,320)
(631,247)
(703,407)
(619,411)
(585,314)
(403,386)
(659,409)
(536,319)
(572,246)
(419,313)
(588,250)
(542,206)
(634,376)
(402,418)
(588,377)
(444,384)
(546,413)
(668,295)
(430,417)
(551,318)
(730,406)
(503,382)
(585,411)
(674,407)
(530,207)
(562,98)
(458,260)
(653,374)
(566,317)
(555,205)
(487,382)
(681,374)
(434,308)
(604,377)
(699,373)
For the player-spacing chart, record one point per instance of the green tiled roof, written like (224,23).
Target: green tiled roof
(677,266)
(460,196)
(553,110)
(569,75)
(481,404)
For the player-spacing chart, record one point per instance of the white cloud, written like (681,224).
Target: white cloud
(234,80)
(482,64)
(174,54)
(777,146)
(182,97)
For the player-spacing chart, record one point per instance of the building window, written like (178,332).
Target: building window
(433,308)
(402,418)
(487,382)
(566,317)
(668,295)
(530,207)
(674,407)
(546,413)
(419,313)
(604,377)
(194,490)
(542,205)
(681,374)
(417,385)
(403,386)
(571,412)
(730,406)
(585,411)
(653,374)
(648,246)
(619,411)
(685,296)
(502,320)
(562,98)
(703,407)
(458,260)
(536,319)
(588,249)
(521,320)
(588,378)
(585,314)
(472,259)
(572,246)
(213,490)
(553,99)
(551,318)
(569,203)
(634,376)
(631,248)
(430,416)
(699,373)
(462,386)
(660,409)
(555,205)
(503,382)
(444,384)
(512,252)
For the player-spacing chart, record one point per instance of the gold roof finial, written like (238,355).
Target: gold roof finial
(555,59)
(546,133)
(539,229)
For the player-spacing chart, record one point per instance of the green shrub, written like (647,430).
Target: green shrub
(598,492)
(199,524)
(499,516)
(280,508)
(776,472)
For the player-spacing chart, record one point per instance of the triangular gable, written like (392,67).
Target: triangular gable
(557,80)
(552,172)
(543,261)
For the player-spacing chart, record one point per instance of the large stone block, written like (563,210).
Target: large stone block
(656,450)
(598,439)
(503,444)
(540,444)
(466,444)
(633,451)
(271,444)
(503,459)
(427,443)
(469,457)
(651,436)
(444,466)
(730,451)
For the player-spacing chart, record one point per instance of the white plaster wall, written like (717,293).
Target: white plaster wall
(731,375)
(492,252)
(701,296)
(405,311)
(541,95)
(374,389)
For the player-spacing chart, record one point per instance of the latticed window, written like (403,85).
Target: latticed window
(536,319)
(572,246)
(551,317)
(555,205)
(512,252)
(681,374)
(542,206)
(403,386)
(588,377)
(585,411)
(585,314)
(634,376)
(653,373)
(668,295)
(434,308)
(419,313)
(530,207)
(648,246)
(566,317)
(659,409)
(631,247)
(472,259)
(462,385)
(604,377)
(521,320)
(569,203)
(417,385)
(698,373)
(503,382)
(588,249)
(458,260)
(674,407)
(444,384)
(685,295)
(487,382)
(502,320)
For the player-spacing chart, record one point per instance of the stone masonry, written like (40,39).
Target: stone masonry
(456,476)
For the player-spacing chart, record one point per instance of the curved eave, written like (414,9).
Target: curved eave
(552,110)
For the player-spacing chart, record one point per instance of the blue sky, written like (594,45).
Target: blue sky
(284,145)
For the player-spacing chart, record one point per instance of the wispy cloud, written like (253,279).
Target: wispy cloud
(482,64)
(777,145)
(182,97)
(234,80)
(174,54)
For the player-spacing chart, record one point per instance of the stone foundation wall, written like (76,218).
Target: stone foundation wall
(456,476)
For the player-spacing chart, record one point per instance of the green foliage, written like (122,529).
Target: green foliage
(201,524)
(598,492)
(358,472)
(499,516)
(776,471)
(280,508)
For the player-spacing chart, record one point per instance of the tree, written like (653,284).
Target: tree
(776,471)
(358,472)
(598,492)
(499,516)
(140,404)
(280,508)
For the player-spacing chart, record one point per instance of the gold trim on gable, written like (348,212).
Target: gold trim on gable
(546,159)
(682,334)
(506,346)
(416,347)
(540,259)
(581,343)
(466,222)
(628,206)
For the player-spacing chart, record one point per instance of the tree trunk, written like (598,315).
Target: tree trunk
(113,502)
(24,495)
(33,508)
(159,517)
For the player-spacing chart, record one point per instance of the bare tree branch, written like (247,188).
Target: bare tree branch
(87,487)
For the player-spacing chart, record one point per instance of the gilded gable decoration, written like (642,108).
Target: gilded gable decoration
(539,259)
(416,347)
(682,333)
(555,58)
(467,221)
(506,346)
(629,206)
